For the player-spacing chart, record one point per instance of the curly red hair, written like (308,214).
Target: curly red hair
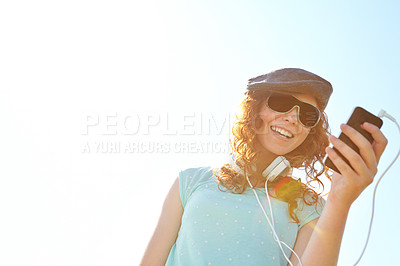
(308,155)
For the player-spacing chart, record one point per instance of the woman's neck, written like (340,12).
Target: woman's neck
(264,160)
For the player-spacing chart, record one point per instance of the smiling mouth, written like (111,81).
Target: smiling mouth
(282,132)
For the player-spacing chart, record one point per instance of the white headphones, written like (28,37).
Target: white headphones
(279,167)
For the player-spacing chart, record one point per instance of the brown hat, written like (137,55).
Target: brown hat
(293,80)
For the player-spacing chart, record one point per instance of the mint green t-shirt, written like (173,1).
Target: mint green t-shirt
(223,228)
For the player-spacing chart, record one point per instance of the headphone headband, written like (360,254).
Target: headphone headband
(279,167)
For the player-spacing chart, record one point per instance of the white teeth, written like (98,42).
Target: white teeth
(282,132)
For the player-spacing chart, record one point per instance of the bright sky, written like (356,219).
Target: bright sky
(102,103)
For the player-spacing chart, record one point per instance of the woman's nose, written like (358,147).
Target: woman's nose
(291,117)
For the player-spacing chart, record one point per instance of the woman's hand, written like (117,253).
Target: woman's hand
(348,185)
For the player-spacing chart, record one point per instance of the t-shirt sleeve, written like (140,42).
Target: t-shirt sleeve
(307,213)
(189,180)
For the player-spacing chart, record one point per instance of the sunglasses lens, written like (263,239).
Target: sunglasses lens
(281,103)
(309,115)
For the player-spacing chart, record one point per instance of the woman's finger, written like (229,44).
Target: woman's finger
(365,147)
(340,164)
(355,160)
(380,141)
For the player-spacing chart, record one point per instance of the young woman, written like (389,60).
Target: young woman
(252,211)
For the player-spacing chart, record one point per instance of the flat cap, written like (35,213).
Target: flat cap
(293,80)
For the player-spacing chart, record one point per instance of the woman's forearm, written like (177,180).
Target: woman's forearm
(324,245)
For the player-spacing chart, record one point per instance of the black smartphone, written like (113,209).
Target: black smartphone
(356,119)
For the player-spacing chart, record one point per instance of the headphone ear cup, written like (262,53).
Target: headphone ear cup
(279,167)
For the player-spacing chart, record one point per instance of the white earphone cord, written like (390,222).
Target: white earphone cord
(272,216)
(272,225)
(382,113)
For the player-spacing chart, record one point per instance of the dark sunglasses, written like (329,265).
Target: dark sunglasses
(307,114)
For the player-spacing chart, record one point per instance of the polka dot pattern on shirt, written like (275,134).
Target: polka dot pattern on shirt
(223,228)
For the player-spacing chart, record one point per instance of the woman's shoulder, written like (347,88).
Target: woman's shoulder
(196,171)
(197,175)
(309,207)
(190,179)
